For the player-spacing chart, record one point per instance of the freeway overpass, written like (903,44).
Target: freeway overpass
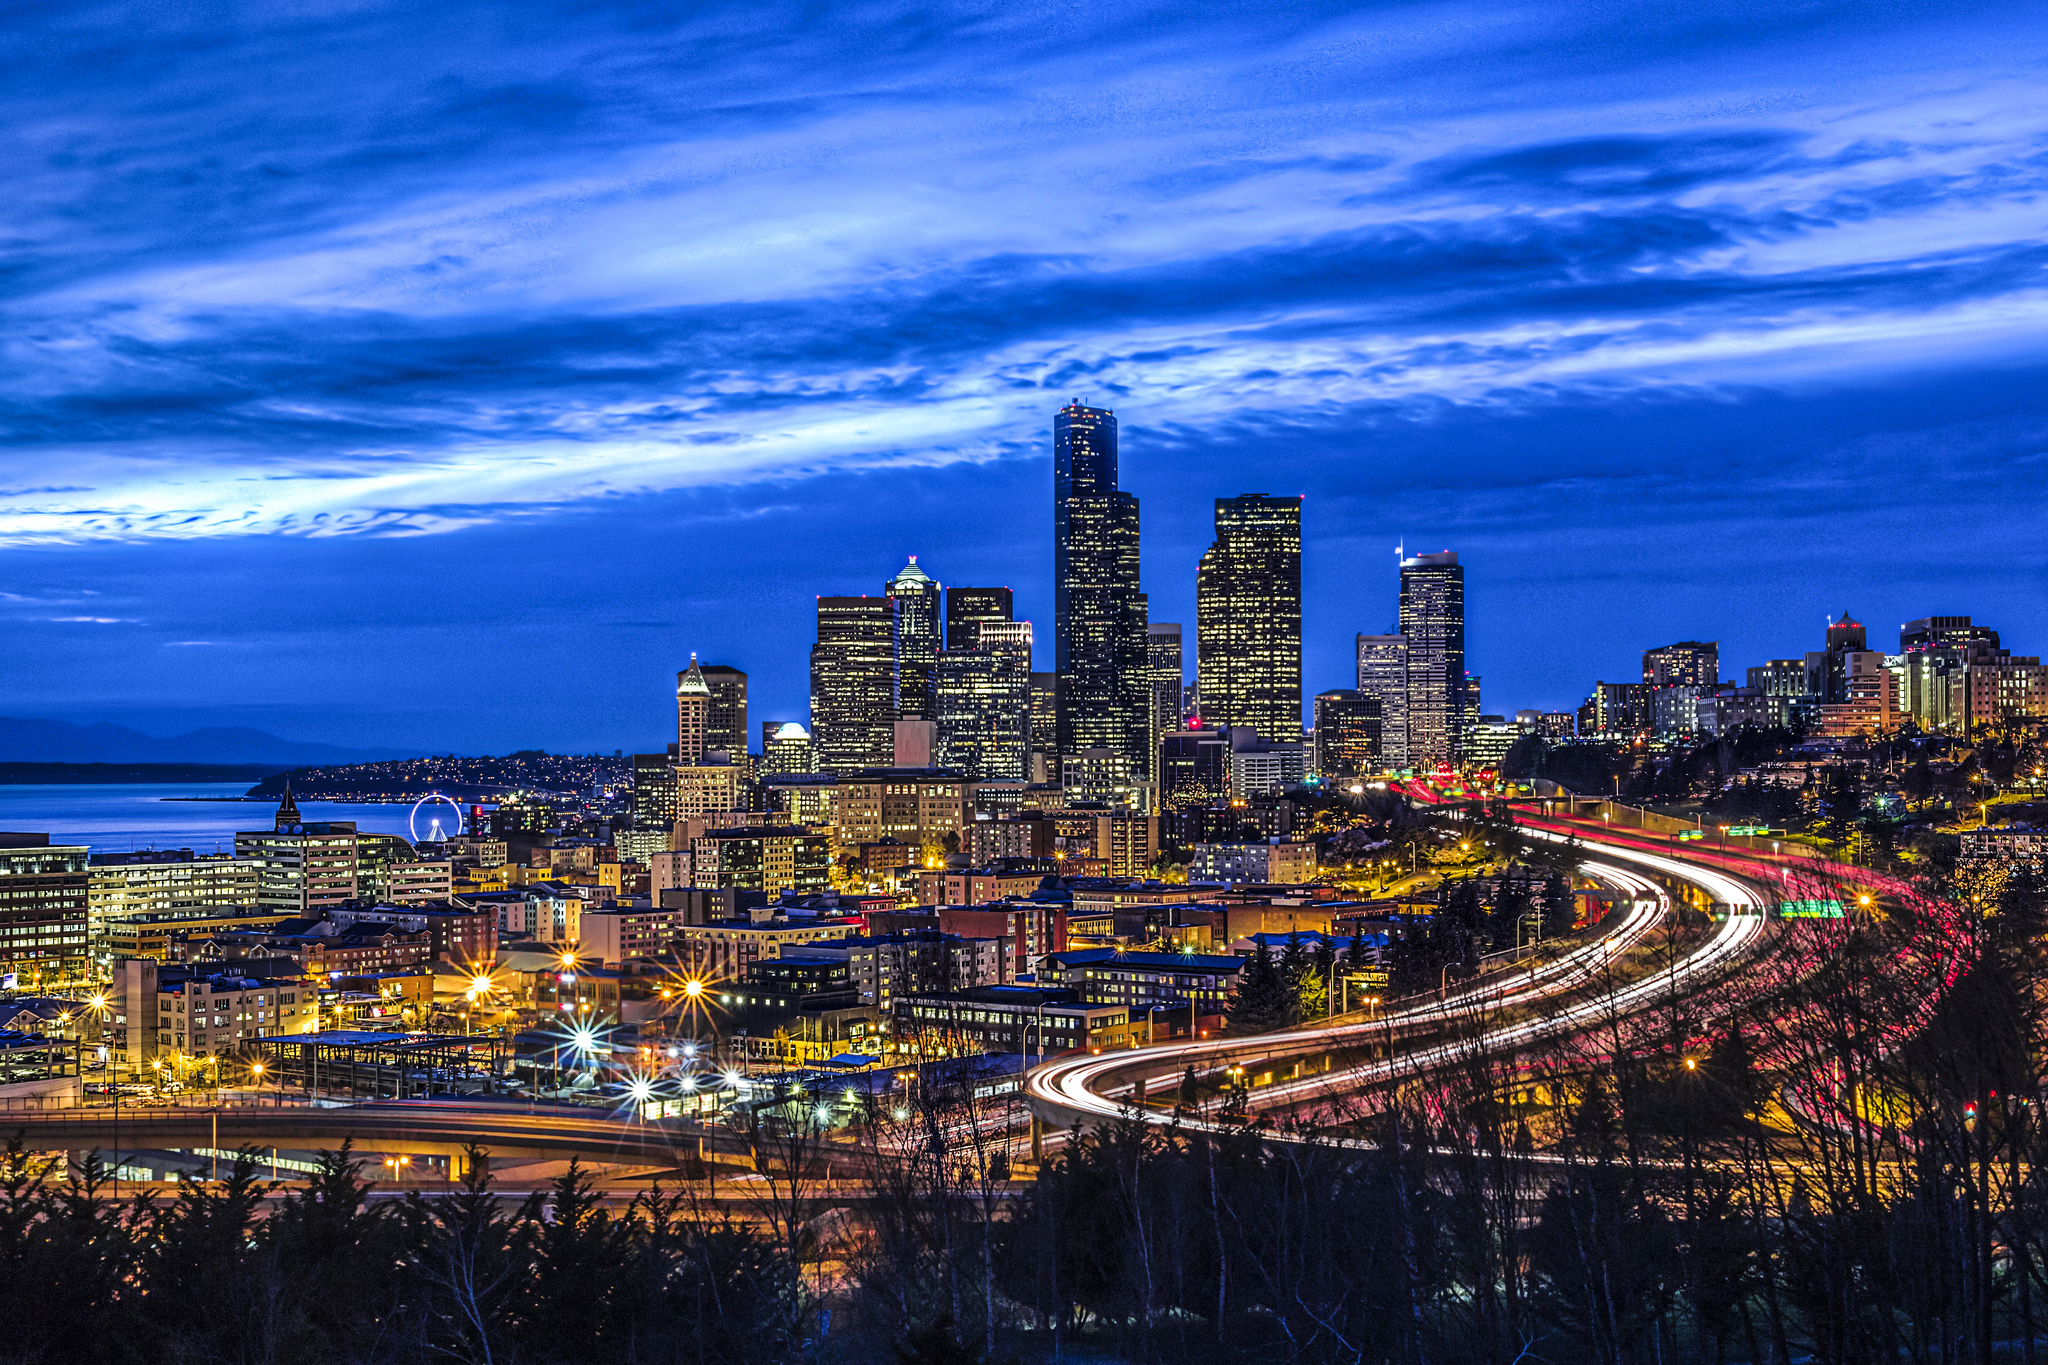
(1557,999)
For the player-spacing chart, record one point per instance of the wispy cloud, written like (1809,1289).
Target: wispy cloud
(593,259)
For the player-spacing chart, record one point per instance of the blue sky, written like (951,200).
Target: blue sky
(439,377)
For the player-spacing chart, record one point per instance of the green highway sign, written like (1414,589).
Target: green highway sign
(1809,909)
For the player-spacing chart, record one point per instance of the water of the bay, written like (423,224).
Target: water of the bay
(119,819)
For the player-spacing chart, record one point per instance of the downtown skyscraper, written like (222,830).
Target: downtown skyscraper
(1099,612)
(1383,673)
(916,595)
(1248,618)
(854,678)
(1433,624)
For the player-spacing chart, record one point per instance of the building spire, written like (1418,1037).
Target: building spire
(691,679)
(287,809)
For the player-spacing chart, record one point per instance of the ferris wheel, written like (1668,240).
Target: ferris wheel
(435,833)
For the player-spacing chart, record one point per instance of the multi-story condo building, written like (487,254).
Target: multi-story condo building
(1695,663)
(854,676)
(1100,613)
(724,949)
(1433,621)
(1248,618)
(1276,862)
(924,961)
(1112,976)
(1039,1023)
(1870,704)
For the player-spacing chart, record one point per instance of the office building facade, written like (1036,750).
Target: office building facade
(725,727)
(44,912)
(917,598)
(853,683)
(983,704)
(1433,621)
(968,608)
(303,866)
(1248,618)
(1347,735)
(1689,663)
(1100,613)
(1383,673)
(786,748)
(693,713)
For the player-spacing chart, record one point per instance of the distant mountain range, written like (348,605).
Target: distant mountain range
(56,741)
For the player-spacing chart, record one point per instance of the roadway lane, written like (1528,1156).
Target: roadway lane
(1093,1090)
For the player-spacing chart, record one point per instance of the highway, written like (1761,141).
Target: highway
(419,1128)
(1095,1089)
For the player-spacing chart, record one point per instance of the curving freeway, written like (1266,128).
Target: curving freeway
(1091,1090)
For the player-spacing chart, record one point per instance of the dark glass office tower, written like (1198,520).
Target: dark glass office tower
(1099,612)
(1166,665)
(1348,735)
(726,727)
(853,683)
(917,639)
(967,608)
(1433,622)
(1248,618)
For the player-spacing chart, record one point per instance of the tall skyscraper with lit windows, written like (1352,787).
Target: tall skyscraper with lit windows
(1100,613)
(1433,622)
(853,683)
(1248,618)
(1383,673)
(917,597)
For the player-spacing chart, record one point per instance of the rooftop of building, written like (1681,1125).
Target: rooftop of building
(1185,962)
(1028,997)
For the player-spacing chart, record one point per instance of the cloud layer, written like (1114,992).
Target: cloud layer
(363,268)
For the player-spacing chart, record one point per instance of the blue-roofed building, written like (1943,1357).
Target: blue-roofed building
(1111,976)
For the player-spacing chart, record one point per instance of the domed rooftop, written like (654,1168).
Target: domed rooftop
(791,730)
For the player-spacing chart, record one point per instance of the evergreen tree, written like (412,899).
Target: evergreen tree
(1559,908)
(1312,988)
(1418,956)
(1510,904)
(1357,953)
(1263,1001)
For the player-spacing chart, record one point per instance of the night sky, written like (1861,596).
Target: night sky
(439,376)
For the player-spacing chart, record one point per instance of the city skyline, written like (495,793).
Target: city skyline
(592,325)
